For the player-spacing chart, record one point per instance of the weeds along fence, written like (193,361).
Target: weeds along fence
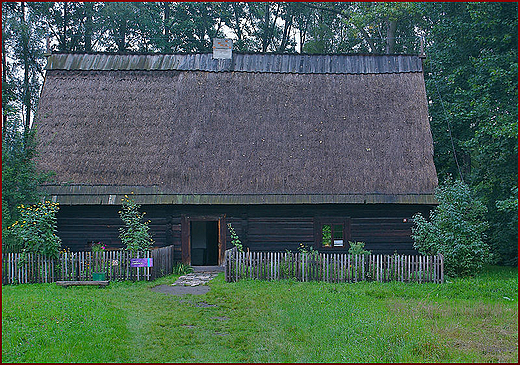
(333,267)
(20,268)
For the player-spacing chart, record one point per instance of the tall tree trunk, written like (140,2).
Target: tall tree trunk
(63,43)
(265,36)
(121,36)
(390,36)
(166,26)
(4,85)
(26,99)
(286,29)
(89,12)
(238,29)
(303,34)
(271,29)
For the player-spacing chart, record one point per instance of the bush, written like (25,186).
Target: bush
(455,230)
(36,229)
(135,236)
(357,248)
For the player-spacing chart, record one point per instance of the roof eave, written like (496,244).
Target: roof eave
(112,195)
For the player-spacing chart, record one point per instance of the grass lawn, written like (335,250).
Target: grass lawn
(464,320)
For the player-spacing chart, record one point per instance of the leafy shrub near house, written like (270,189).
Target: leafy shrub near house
(36,229)
(357,248)
(455,230)
(135,235)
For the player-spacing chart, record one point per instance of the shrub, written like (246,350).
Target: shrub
(36,229)
(135,236)
(307,250)
(357,248)
(455,230)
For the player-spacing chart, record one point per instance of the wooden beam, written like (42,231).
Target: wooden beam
(65,284)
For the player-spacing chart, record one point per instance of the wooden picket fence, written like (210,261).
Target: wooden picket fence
(34,268)
(332,267)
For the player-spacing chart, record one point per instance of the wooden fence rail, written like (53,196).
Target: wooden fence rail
(333,267)
(33,268)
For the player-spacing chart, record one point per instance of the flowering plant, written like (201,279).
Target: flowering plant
(98,247)
(307,249)
(36,229)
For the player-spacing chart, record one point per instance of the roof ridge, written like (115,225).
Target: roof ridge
(135,53)
(262,63)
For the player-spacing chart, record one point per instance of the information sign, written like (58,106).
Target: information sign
(146,262)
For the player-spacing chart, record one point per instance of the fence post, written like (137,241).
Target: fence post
(226,261)
(442,267)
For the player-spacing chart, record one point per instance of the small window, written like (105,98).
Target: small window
(338,235)
(332,235)
(326,230)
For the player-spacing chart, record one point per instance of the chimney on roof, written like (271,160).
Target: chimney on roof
(222,48)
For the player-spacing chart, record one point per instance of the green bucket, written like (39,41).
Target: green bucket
(98,276)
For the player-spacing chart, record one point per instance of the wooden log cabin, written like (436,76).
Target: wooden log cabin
(288,148)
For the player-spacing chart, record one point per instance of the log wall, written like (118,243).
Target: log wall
(385,228)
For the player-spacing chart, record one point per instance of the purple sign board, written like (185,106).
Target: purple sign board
(141,262)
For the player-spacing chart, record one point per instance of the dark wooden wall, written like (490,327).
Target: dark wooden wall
(384,228)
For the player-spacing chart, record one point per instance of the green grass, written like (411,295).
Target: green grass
(464,320)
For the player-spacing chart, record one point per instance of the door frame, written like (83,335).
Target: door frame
(186,239)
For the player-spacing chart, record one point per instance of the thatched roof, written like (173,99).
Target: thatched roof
(352,128)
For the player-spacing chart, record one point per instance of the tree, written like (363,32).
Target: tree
(20,179)
(22,61)
(135,235)
(368,27)
(456,229)
(471,78)
(74,25)
(22,57)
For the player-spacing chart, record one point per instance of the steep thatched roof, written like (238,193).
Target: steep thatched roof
(351,126)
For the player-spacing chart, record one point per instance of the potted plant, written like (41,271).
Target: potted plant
(98,273)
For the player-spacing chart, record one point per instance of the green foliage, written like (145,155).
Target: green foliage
(455,230)
(36,229)
(135,236)
(22,58)
(471,74)
(308,250)
(357,248)
(180,268)
(234,238)
(98,247)
(504,229)
(20,179)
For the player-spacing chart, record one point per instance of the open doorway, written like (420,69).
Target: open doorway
(204,239)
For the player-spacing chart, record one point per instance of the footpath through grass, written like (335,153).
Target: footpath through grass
(464,320)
